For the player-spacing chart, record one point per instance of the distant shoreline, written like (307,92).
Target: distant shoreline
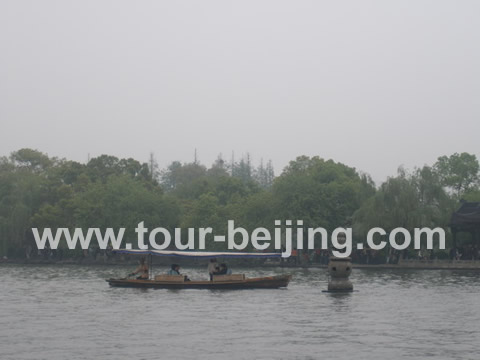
(403,264)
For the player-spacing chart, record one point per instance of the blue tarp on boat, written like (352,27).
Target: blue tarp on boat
(199,254)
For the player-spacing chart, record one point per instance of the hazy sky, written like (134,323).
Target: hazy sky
(372,84)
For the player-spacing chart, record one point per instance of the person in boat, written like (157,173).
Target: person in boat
(142,270)
(175,270)
(228,271)
(212,267)
(223,270)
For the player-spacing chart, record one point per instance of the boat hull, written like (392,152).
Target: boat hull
(270,282)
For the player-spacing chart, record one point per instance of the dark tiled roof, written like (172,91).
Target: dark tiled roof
(467,216)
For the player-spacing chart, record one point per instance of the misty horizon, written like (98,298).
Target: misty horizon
(372,85)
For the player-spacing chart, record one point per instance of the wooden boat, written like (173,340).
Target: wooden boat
(233,281)
(269,282)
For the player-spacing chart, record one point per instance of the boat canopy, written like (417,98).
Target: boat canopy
(199,254)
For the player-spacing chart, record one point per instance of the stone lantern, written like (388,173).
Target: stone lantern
(339,270)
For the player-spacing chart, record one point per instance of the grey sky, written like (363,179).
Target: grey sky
(372,84)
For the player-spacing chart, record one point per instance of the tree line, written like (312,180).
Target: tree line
(41,191)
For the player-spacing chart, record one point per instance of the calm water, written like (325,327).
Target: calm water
(52,312)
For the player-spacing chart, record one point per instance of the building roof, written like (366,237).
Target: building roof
(467,217)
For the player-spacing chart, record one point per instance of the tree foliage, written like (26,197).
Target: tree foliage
(39,191)
(458,172)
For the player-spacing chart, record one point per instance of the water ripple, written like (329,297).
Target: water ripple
(51,312)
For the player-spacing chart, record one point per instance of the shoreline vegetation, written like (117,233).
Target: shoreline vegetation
(40,191)
(412,264)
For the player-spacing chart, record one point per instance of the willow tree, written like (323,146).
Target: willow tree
(408,200)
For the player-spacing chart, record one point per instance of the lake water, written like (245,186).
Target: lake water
(70,312)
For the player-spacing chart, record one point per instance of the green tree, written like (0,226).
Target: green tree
(179,177)
(322,193)
(409,200)
(32,160)
(458,172)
